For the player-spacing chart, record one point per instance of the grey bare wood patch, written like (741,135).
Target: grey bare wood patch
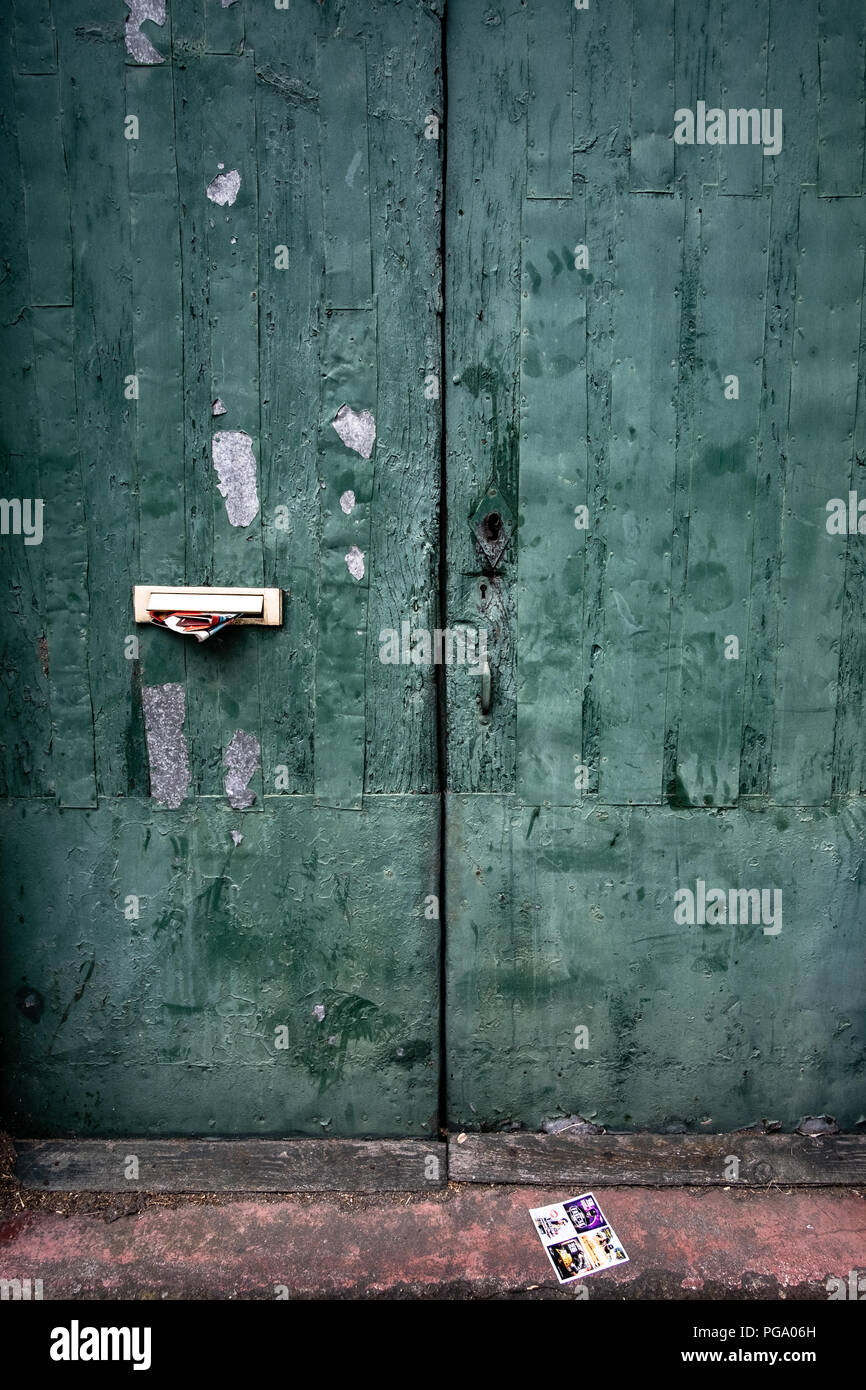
(657,1160)
(214,1165)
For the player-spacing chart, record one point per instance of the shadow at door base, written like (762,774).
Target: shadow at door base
(412,1165)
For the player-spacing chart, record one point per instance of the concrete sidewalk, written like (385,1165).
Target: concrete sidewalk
(468,1242)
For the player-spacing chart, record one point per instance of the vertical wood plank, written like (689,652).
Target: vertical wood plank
(550,131)
(821,426)
(345,163)
(652,94)
(292,287)
(46,195)
(25,757)
(35,39)
(68,593)
(734,239)
(224,26)
(25,722)
(744,80)
(486,179)
(404,57)
(219,239)
(157,333)
(553,463)
(154,214)
(632,675)
(93,100)
(228,111)
(348,378)
(791,70)
(841,33)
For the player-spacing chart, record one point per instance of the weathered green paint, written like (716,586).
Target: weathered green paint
(40,144)
(743,71)
(99,352)
(68,589)
(552,486)
(652,83)
(722,439)
(560,386)
(820,461)
(564,917)
(707,518)
(841,41)
(232,940)
(166,1024)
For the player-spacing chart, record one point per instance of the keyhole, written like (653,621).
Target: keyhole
(493,524)
(483,592)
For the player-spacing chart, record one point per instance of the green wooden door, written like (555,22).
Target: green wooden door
(221,226)
(652,353)
(580,590)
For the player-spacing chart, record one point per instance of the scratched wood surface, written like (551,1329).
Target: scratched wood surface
(134,305)
(705,674)
(146,312)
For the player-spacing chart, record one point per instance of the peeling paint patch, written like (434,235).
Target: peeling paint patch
(319,1011)
(353,168)
(355,562)
(138,45)
(236,468)
(224,188)
(167,752)
(357,431)
(347,501)
(242,758)
(226,3)
(218,408)
(237,836)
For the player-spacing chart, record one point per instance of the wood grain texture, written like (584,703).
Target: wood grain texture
(820,439)
(551,545)
(743,71)
(564,917)
(549,128)
(46,194)
(486,175)
(283,986)
(715,602)
(255,1165)
(632,677)
(93,104)
(656,1160)
(652,87)
(841,55)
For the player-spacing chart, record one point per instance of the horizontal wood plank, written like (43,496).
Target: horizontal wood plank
(658,1160)
(214,1165)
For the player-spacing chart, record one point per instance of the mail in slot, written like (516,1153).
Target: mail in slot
(200,612)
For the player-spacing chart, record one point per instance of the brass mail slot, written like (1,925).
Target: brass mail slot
(260,607)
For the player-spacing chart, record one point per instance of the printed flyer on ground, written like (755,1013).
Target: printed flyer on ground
(577,1238)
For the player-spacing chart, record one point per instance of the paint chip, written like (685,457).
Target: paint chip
(235,464)
(167,752)
(319,1011)
(347,501)
(218,408)
(138,45)
(224,188)
(357,431)
(237,836)
(242,758)
(355,562)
